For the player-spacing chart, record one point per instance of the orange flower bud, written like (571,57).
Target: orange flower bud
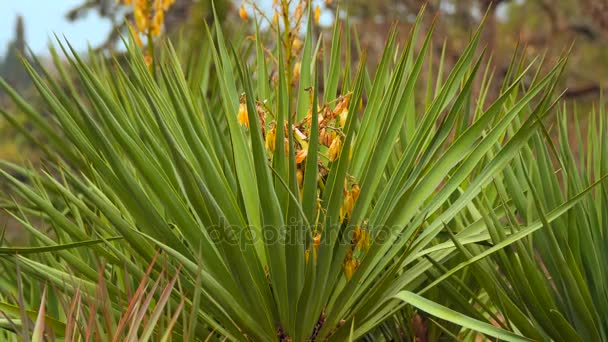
(317,14)
(243,13)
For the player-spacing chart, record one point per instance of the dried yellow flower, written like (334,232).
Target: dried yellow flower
(271,138)
(301,155)
(296,71)
(325,137)
(363,241)
(334,149)
(343,116)
(300,177)
(296,45)
(349,268)
(349,202)
(242,116)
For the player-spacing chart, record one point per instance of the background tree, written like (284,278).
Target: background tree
(11,68)
(542,25)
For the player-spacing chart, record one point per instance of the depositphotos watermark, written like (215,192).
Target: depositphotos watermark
(297,234)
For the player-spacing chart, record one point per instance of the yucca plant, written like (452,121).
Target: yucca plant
(291,210)
(548,286)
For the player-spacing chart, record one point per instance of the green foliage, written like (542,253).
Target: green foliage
(548,285)
(145,163)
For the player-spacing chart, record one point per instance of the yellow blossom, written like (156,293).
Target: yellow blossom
(148,60)
(343,117)
(317,14)
(296,45)
(141,19)
(350,266)
(334,149)
(271,138)
(243,13)
(275,18)
(242,116)
(157,23)
(296,70)
(355,191)
(349,202)
(363,241)
(300,177)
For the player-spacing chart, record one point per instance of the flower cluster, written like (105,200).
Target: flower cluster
(149,16)
(331,124)
(331,119)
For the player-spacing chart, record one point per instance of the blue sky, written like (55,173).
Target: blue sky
(45,17)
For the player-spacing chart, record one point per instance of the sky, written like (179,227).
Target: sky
(45,17)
